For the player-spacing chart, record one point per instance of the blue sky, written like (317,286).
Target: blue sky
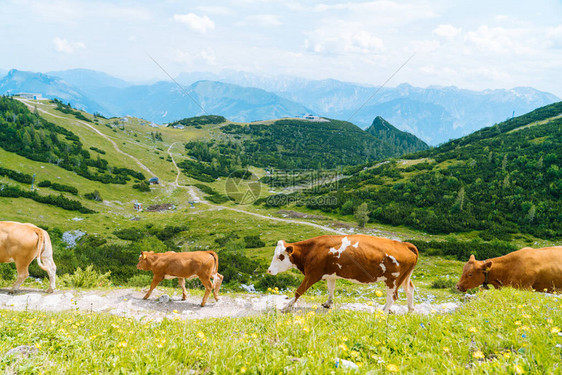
(469,44)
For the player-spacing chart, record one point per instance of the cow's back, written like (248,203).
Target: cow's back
(184,264)
(538,268)
(360,258)
(17,241)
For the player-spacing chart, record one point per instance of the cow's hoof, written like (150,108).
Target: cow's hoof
(183,298)
(286,310)
(202,304)
(50,290)
(12,292)
(326,305)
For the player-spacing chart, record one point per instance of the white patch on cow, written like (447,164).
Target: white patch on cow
(332,276)
(393,259)
(356,245)
(383,267)
(339,265)
(11,260)
(169,277)
(278,265)
(344,244)
(395,274)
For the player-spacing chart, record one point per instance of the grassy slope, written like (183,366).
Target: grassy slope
(504,331)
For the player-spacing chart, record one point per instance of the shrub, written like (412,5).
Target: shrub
(253,242)
(443,283)
(140,280)
(88,278)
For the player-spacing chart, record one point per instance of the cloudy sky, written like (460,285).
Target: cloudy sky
(470,44)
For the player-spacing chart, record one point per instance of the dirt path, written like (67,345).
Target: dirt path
(129,303)
(139,163)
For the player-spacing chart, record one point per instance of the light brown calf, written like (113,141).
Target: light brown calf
(538,269)
(189,265)
(23,242)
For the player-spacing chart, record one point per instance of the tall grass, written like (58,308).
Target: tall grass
(505,331)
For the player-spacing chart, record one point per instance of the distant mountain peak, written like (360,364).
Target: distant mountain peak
(405,141)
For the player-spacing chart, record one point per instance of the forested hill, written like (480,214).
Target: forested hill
(285,144)
(501,180)
(403,141)
(29,135)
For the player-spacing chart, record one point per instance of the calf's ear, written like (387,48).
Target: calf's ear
(289,250)
(487,264)
(472,258)
(143,255)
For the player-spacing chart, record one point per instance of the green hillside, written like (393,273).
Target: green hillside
(288,144)
(404,142)
(499,181)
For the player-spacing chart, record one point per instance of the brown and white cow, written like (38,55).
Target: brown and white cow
(23,242)
(188,265)
(538,269)
(359,258)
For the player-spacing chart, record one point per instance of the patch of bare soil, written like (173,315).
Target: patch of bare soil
(160,207)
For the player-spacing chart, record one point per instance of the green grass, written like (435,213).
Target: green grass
(505,331)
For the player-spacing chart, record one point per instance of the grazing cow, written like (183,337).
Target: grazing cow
(169,265)
(538,269)
(358,258)
(23,242)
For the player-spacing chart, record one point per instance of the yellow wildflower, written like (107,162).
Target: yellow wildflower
(243,369)
(478,354)
(473,330)
(518,369)
(378,293)
(555,330)
(392,368)
(446,349)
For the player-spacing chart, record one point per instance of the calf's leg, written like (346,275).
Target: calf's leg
(208,287)
(155,281)
(181,282)
(391,296)
(217,281)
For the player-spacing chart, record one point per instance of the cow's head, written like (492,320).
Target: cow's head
(282,258)
(473,274)
(144,263)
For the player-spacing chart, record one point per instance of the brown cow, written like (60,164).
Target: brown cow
(23,242)
(538,269)
(359,258)
(169,265)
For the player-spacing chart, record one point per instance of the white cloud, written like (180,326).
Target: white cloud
(343,37)
(264,20)
(446,31)
(205,57)
(500,40)
(200,24)
(63,45)
(554,36)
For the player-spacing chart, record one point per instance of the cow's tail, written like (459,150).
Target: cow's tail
(41,247)
(406,281)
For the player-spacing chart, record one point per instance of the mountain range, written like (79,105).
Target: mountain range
(434,114)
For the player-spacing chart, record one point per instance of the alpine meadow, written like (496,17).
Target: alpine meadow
(268,187)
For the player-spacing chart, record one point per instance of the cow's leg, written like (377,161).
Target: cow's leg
(409,288)
(208,288)
(306,283)
(23,273)
(391,296)
(217,281)
(181,282)
(52,272)
(155,281)
(331,283)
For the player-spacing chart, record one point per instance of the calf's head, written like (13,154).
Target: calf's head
(143,263)
(473,274)
(282,258)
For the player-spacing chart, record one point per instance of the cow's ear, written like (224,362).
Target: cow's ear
(487,264)
(289,250)
(143,255)
(472,258)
